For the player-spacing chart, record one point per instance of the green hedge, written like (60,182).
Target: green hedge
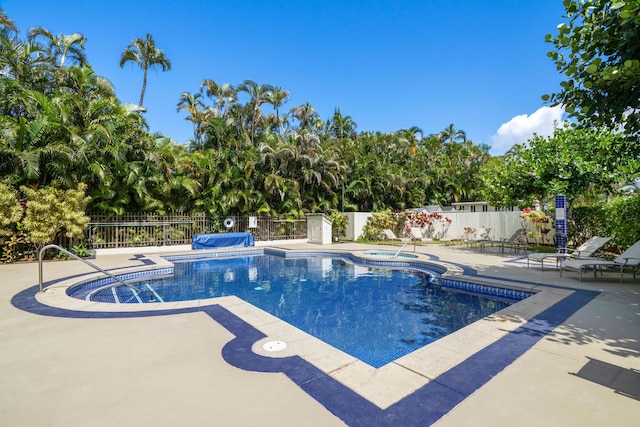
(618,219)
(623,220)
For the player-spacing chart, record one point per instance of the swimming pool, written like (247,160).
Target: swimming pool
(372,313)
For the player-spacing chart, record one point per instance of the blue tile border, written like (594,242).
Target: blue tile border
(421,408)
(494,291)
(210,255)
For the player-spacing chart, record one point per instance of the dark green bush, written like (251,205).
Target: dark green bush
(623,220)
(618,219)
(586,222)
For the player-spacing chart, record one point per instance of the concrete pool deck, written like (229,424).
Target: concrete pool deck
(170,370)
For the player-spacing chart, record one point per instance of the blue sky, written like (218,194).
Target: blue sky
(480,65)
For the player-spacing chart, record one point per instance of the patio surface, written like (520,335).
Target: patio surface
(169,370)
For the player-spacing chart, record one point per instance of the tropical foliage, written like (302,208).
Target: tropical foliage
(250,154)
(572,162)
(598,52)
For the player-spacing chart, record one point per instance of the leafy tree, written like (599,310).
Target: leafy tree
(378,221)
(147,56)
(22,62)
(598,50)
(308,118)
(569,162)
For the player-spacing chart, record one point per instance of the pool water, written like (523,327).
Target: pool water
(374,314)
(389,254)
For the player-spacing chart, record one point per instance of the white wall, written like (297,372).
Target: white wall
(355,223)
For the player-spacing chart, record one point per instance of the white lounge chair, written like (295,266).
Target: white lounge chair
(585,250)
(390,235)
(417,234)
(628,258)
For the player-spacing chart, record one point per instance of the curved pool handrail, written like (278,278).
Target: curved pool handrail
(72,255)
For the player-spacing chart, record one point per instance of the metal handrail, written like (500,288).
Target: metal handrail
(41,256)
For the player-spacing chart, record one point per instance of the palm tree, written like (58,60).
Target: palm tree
(259,94)
(413,135)
(40,149)
(308,118)
(192,104)
(6,23)
(63,46)
(21,61)
(84,82)
(451,134)
(223,95)
(340,126)
(146,55)
(277,98)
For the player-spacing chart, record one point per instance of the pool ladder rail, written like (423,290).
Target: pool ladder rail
(72,255)
(405,243)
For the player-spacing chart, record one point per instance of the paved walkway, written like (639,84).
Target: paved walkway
(169,370)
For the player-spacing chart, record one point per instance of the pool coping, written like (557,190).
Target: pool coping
(383,387)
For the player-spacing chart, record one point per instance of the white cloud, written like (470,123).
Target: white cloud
(520,128)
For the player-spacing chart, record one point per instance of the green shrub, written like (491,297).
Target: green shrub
(378,221)
(338,224)
(586,222)
(52,212)
(10,210)
(618,219)
(623,220)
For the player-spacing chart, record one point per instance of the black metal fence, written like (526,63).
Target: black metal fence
(134,230)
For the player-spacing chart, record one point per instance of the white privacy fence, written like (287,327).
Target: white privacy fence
(501,225)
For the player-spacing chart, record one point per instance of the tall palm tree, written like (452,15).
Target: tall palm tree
(61,47)
(277,98)
(146,55)
(192,104)
(259,94)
